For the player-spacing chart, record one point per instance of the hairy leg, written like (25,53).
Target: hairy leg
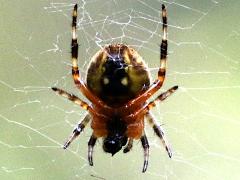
(91,144)
(145,146)
(159,132)
(76,132)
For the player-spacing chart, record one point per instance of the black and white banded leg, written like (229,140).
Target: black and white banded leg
(91,144)
(77,131)
(73,98)
(159,131)
(145,146)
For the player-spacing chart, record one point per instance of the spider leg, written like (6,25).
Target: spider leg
(75,71)
(163,50)
(145,146)
(73,98)
(129,145)
(159,131)
(74,49)
(161,97)
(91,144)
(162,69)
(152,104)
(77,131)
(163,55)
(166,94)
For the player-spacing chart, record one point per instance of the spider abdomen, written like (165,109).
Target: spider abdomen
(117,74)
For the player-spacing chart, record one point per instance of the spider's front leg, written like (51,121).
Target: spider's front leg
(91,144)
(160,133)
(76,132)
(145,146)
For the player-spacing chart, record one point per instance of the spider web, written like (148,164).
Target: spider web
(201,119)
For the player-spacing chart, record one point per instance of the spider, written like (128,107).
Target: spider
(118,87)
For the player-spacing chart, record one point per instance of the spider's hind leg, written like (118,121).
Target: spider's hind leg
(74,49)
(75,70)
(145,146)
(162,69)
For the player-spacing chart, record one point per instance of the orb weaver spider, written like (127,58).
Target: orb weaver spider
(118,87)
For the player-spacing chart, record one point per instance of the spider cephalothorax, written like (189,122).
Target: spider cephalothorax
(118,87)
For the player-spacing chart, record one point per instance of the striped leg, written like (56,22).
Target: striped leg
(145,109)
(160,133)
(163,50)
(74,49)
(145,146)
(161,97)
(75,71)
(162,69)
(129,145)
(163,54)
(77,131)
(91,144)
(73,98)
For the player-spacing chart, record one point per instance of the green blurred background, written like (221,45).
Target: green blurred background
(201,120)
